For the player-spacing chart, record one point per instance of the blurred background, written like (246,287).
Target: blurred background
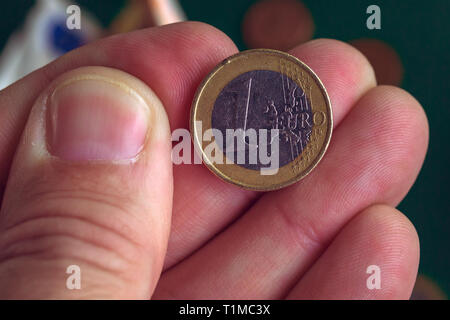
(412,50)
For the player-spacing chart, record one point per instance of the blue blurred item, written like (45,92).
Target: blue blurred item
(44,37)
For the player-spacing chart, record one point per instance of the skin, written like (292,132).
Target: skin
(188,235)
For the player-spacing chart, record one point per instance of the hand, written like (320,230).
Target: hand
(112,217)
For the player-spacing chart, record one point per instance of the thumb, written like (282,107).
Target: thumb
(86,211)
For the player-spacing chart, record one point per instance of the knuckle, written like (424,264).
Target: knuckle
(304,234)
(54,237)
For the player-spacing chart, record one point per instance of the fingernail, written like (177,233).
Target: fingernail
(96,119)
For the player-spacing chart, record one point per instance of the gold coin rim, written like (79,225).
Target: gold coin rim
(242,183)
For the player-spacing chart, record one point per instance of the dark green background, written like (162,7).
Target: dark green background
(419,31)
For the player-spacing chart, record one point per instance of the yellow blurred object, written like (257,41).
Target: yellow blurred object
(165,11)
(133,16)
(426,289)
(139,14)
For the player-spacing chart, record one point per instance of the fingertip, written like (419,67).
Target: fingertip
(375,256)
(190,36)
(394,245)
(399,122)
(395,225)
(351,62)
(407,105)
(345,72)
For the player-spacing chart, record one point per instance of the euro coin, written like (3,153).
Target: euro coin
(261,120)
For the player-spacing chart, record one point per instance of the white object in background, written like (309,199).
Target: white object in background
(44,37)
